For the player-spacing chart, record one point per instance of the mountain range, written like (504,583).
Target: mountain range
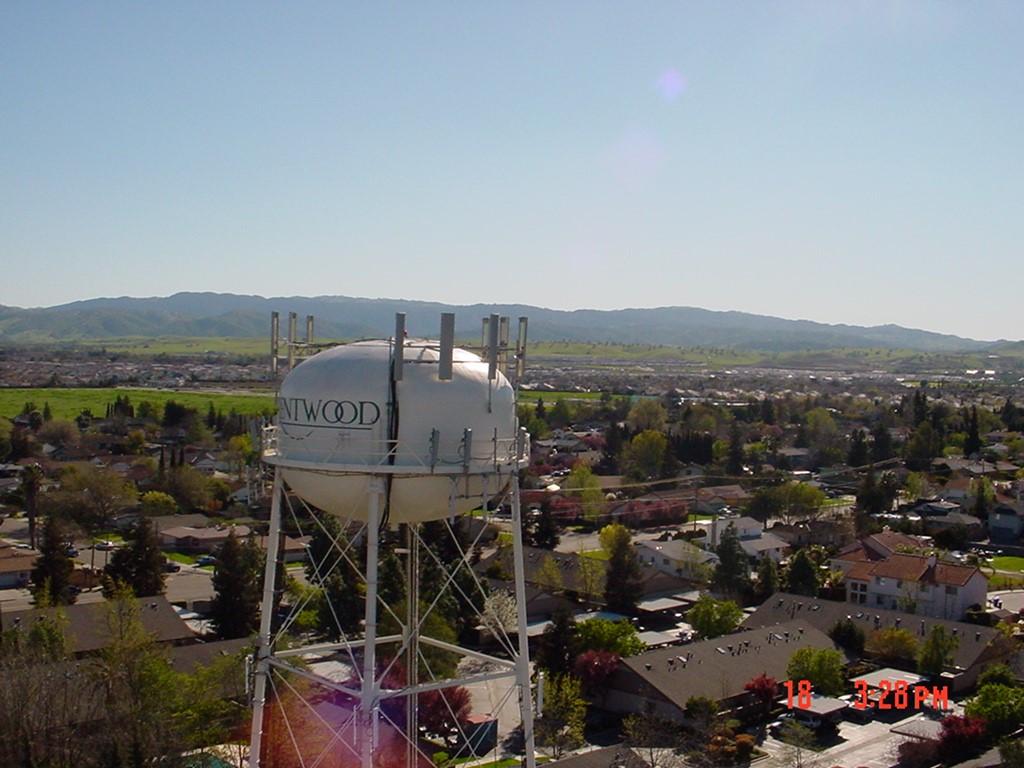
(341,317)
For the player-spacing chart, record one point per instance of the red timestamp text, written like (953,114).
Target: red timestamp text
(888,694)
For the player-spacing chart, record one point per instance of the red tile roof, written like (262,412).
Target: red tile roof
(913,568)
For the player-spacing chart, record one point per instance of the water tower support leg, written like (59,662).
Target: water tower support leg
(368,700)
(523,659)
(265,645)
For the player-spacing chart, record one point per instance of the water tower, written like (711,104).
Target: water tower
(391,437)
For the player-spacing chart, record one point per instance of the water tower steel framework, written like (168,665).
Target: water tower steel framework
(391,435)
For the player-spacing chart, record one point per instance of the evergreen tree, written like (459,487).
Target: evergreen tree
(540,528)
(31,477)
(848,636)
(139,566)
(237,583)
(1011,416)
(857,456)
(767,578)
(920,405)
(881,443)
(735,454)
(802,576)
(767,411)
(333,566)
(558,646)
(623,587)
(732,574)
(972,443)
(51,573)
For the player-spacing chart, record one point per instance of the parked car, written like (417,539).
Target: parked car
(172,567)
(855,712)
(798,716)
(71,550)
(207,560)
(104,546)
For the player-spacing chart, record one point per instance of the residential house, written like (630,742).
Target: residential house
(16,566)
(88,624)
(1006,522)
(659,683)
(199,540)
(677,557)
(825,533)
(917,584)
(877,547)
(979,647)
(756,543)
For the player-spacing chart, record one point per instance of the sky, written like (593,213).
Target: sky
(843,162)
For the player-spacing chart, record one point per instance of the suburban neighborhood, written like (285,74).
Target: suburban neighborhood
(690,556)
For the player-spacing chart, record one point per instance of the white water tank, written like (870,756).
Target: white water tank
(341,422)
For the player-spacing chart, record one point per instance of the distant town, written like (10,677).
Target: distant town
(721,566)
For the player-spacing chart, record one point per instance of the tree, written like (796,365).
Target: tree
(732,574)
(51,573)
(593,668)
(892,645)
(711,618)
(90,496)
(881,444)
(548,576)
(763,689)
(1011,752)
(237,582)
(802,576)
(857,456)
(623,586)
(585,485)
(559,644)
(560,725)
(767,578)
(540,528)
(960,737)
(619,637)
(590,577)
(647,414)
(735,453)
(139,566)
(31,477)
(645,456)
(923,446)
(998,674)
(1000,707)
(657,741)
(823,667)
(972,444)
(332,565)
(702,710)
(936,651)
(155,503)
(500,615)
(848,636)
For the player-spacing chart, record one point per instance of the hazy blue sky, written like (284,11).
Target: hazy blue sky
(858,162)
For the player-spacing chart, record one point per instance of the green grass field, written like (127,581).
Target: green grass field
(69,403)
(1008,564)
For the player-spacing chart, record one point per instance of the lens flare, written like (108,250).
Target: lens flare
(670,84)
